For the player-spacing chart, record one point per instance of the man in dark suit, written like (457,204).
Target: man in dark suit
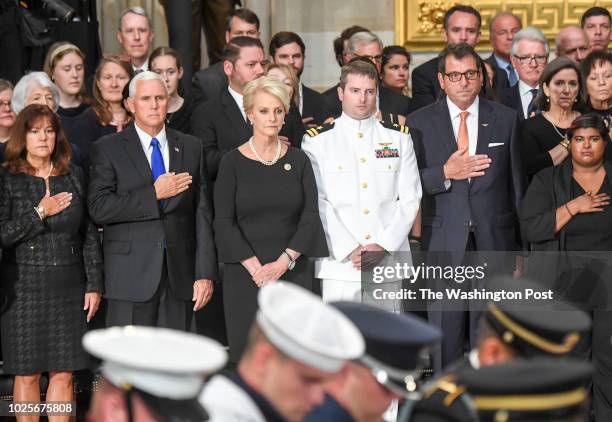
(461,25)
(366,45)
(221,123)
(150,191)
(529,58)
(208,83)
(468,155)
(502,29)
(288,48)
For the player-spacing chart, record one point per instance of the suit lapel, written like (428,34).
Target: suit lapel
(445,127)
(235,116)
(175,155)
(134,150)
(486,122)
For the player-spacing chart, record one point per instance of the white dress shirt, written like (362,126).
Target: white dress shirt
(301,98)
(145,141)
(239,101)
(472,122)
(144,67)
(526,95)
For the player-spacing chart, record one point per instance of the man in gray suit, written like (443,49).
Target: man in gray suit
(149,189)
(468,156)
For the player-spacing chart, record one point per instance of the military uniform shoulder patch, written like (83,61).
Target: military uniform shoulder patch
(317,130)
(395,126)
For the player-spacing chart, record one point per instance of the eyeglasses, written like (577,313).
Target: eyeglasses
(525,60)
(376,59)
(5,104)
(470,75)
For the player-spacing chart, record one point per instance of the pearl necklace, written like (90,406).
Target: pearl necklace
(46,179)
(261,160)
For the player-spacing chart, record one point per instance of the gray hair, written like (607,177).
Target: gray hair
(145,76)
(499,15)
(137,10)
(561,33)
(26,84)
(361,38)
(530,33)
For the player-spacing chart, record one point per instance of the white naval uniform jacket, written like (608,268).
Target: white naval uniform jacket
(369,189)
(225,401)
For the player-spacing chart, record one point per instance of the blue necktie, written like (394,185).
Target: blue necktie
(532,107)
(157,161)
(512,77)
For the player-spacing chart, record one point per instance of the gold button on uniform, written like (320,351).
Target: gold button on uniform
(368,237)
(389,167)
(360,135)
(339,167)
(363,159)
(364,185)
(366,211)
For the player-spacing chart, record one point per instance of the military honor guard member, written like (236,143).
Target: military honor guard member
(523,390)
(396,348)
(296,344)
(369,187)
(526,329)
(151,374)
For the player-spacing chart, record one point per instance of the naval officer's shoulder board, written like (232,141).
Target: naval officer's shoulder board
(317,130)
(395,126)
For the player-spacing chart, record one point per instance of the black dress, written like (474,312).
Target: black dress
(180,119)
(85,129)
(69,119)
(538,137)
(260,211)
(47,266)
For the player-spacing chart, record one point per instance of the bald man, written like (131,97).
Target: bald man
(573,43)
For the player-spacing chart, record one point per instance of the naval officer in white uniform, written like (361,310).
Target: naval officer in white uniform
(369,189)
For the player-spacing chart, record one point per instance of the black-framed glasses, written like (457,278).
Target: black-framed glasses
(525,60)
(376,59)
(469,75)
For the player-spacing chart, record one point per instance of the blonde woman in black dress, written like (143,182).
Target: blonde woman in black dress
(267,221)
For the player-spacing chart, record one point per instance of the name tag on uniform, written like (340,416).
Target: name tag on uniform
(385,151)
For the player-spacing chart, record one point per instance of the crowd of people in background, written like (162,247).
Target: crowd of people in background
(139,196)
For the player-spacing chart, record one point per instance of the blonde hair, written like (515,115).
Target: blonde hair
(290,73)
(268,85)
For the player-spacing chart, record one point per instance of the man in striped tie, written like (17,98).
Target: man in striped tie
(150,192)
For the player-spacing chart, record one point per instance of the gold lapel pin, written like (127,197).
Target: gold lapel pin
(287,166)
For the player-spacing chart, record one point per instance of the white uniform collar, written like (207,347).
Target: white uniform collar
(356,125)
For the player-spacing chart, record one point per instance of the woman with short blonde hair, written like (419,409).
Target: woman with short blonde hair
(267,221)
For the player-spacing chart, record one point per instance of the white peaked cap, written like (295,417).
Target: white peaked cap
(165,363)
(306,329)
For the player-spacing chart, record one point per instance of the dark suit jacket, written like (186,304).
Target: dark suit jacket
(208,83)
(501,77)
(219,124)
(313,105)
(389,102)
(138,229)
(425,85)
(491,202)
(511,97)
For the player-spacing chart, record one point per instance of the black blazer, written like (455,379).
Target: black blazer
(425,85)
(511,97)
(501,77)
(67,238)
(389,102)
(220,126)
(208,83)
(138,229)
(491,202)
(312,105)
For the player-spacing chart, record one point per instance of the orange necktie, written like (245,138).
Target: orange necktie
(463,140)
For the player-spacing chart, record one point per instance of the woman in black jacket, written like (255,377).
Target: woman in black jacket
(566,210)
(52,263)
